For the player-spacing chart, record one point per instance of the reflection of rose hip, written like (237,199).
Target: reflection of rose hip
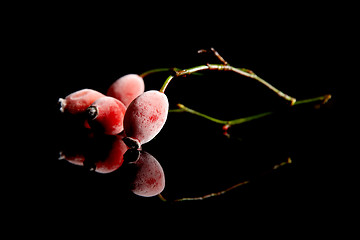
(114,159)
(150,179)
(102,153)
(78,102)
(127,88)
(106,115)
(146,116)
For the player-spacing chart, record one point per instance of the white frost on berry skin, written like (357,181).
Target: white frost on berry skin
(127,88)
(146,116)
(150,179)
(107,114)
(77,102)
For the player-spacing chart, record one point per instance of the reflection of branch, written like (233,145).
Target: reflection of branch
(228,123)
(212,194)
(223,191)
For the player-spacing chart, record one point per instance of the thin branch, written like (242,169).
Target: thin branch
(183,108)
(226,67)
(215,194)
(222,67)
(212,194)
(219,56)
(323,99)
(156,70)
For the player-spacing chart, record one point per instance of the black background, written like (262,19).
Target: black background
(68,48)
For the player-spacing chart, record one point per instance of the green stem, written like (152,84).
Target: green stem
(156,70)
(183,108)
(324,99)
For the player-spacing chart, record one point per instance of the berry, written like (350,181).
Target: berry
(102,154)
(127,88)
(114,158)
(78,102)
(74,158)
(106,115)
(150,179)
(146,116)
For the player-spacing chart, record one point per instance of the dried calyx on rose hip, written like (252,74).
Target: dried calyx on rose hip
(106,115)
(145,117)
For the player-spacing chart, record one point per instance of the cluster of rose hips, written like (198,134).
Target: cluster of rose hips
(127,109)
(131,117)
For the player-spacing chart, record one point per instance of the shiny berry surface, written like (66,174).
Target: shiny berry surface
(99,153)
(106,115)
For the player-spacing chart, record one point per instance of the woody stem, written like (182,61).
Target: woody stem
(223,67)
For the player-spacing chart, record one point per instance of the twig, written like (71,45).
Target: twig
(227,123)
(215,194)
(226,67)
(156,70)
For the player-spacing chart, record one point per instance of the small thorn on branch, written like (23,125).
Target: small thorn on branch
(326,98)
(215,53)
(219,56)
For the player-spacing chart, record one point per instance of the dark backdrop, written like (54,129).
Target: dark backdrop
(74,48)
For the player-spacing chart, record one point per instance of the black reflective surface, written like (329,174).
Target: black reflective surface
(198,159)
(195,155)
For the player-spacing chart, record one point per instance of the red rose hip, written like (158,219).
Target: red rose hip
(101,153)
(127,88)
(77,102)
(106,115)
(146,116)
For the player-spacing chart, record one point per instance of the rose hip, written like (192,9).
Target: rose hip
(146,116)
(103,153)
(106,114)
(78,102)
(127,88)
(150,179)
(115,157)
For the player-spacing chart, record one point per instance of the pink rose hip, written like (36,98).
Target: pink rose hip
(150,179)
(146,116)
(127,88)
